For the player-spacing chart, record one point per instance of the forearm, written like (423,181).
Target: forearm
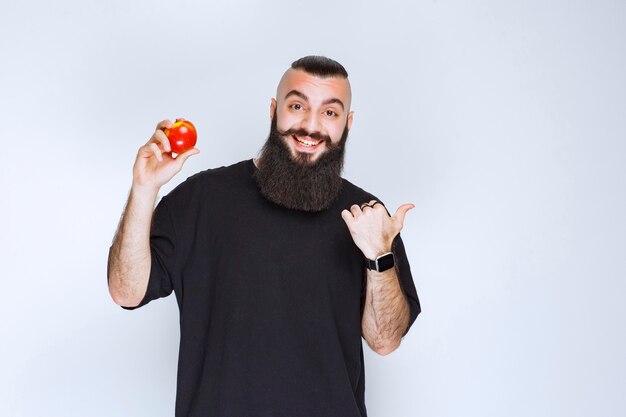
(386,311)
(129,256)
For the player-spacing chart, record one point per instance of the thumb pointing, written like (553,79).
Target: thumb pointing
(401,212)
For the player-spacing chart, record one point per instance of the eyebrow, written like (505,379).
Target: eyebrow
(305,98)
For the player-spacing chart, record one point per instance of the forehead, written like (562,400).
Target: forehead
(316,88)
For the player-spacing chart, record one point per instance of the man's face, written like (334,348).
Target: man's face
(312,113)
(300,164)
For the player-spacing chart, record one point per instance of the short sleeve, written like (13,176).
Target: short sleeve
(406,281)
(162,251)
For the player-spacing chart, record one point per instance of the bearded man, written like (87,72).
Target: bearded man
(279,265)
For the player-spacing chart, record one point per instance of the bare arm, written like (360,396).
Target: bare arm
(129,255)
(386,312)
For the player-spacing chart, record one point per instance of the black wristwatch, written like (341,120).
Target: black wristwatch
(382,263)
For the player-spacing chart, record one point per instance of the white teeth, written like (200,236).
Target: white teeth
(306,143)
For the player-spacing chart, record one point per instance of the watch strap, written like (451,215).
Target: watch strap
(381,263)
(371,265)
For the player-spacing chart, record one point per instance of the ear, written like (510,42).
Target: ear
(272,108)
(349,122)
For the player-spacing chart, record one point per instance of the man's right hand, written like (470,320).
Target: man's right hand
(155,165)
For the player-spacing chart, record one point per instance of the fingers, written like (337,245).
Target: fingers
(158,144)
(158,140)
(161,139)
(156,151)
(164,124)
(372,205)
(378,204)
(357,211)
(347,217)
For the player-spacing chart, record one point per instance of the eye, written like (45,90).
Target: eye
(296,106)
(330,113)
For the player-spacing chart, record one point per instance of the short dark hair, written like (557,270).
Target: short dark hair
(320,66)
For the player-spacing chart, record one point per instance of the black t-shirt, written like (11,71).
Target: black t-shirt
(270,299)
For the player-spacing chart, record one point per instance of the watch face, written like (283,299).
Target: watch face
(386,262)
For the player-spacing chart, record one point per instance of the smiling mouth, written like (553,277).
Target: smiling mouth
(306,142)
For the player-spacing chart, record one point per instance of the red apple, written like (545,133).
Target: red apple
(182,136)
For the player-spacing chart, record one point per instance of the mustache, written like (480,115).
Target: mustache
(303,132)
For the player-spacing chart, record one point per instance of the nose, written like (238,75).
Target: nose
(311,123)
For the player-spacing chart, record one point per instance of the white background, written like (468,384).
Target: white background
(503,121)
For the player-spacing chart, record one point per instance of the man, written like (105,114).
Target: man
(279,265)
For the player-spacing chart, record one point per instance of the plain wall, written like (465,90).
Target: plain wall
(502,121)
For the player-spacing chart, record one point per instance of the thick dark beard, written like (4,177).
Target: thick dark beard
(299,183)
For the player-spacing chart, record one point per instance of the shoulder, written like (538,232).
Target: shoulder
(352,194)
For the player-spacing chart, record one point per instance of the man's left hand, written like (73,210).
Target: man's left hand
(371,227)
